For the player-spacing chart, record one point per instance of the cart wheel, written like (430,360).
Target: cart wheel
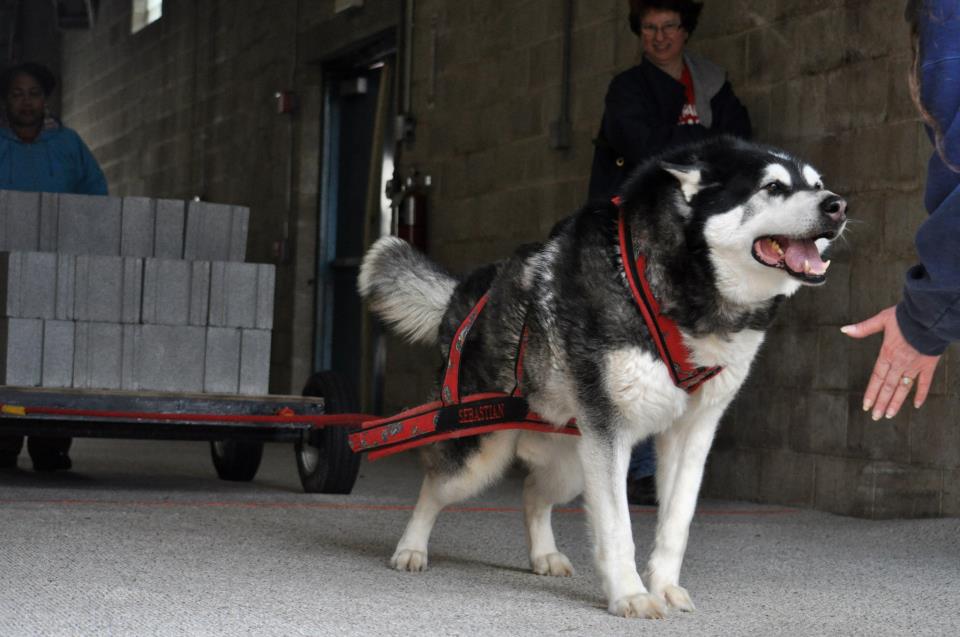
(235,460)
(330,467)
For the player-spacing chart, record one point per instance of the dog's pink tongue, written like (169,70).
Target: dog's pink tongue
(801,256)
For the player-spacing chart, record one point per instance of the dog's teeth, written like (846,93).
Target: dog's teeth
(806,266)
(776,246)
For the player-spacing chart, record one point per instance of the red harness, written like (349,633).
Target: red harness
(453,417)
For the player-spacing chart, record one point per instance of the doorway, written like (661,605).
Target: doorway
(358,159)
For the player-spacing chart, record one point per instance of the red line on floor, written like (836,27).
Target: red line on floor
(347,506)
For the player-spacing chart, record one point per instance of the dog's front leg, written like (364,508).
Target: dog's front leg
(605,463)
(681,455)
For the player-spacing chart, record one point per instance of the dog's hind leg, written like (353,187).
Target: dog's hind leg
(682,453)
(555,477)
(442,488)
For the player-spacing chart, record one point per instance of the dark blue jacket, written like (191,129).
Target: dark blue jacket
(640,117)
(929,314)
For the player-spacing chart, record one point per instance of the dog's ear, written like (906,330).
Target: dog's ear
(688,176)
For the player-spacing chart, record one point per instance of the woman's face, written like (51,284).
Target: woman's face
(663,36)
(25,101)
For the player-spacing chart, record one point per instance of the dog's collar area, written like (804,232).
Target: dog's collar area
(663,330)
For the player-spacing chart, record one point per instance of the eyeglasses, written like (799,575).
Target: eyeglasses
(668,30)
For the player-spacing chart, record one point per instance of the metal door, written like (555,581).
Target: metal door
(358,159)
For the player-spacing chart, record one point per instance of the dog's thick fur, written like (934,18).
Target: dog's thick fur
(713,220)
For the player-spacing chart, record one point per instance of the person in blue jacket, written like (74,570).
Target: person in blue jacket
(670,98)
(38,153)
(919,328)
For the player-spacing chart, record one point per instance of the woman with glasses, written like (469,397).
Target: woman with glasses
(670,98)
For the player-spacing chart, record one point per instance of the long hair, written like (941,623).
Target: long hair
(914,14)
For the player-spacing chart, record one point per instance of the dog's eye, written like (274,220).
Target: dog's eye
(775,188)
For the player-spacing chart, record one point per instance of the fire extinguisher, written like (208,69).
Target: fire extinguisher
(412,211)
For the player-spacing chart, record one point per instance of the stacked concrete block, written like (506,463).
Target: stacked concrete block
(215,232)
(164,357)
(21,348)
(176,292)
(131,293)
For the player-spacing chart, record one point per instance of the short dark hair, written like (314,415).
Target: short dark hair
(39,72)
(688,9)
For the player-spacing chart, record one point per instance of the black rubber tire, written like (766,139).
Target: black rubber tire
(330,467)
(236,460)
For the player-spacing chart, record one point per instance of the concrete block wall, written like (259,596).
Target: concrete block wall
(822,78)
(91,320)
(796,434)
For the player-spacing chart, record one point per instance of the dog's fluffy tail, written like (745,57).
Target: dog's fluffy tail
(405,289)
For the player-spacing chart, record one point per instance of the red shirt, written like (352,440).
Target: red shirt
(688,114)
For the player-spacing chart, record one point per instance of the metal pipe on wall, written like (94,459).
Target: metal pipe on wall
(560,130)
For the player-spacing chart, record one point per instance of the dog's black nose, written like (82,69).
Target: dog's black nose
(834,207)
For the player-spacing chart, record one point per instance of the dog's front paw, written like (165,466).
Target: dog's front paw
(642,605)
(409,560)
(678,597)
(553,564)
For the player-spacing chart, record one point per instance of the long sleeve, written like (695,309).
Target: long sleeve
(929,314)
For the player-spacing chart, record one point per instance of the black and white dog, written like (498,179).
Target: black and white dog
(727,230)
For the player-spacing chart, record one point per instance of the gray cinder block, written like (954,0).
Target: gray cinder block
(58,347)
(233,294)
(168,229)
(21,350)
(99,288)
(66,284)
(19,220)
(176,292)
(199,293)
(254,362)
(89,224)
(137,226)
(207,233)
(28,284)
(222,366)
(239,225)
(266,282)
(49,221)
(108,289)
(128,368)
(166,291)
(167,357)
(98,355)
(132,290)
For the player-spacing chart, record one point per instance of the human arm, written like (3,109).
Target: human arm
(927,319)
(90,180)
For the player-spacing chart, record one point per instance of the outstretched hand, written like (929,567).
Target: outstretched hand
(898,368)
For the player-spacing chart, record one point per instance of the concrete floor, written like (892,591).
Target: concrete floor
(142,539)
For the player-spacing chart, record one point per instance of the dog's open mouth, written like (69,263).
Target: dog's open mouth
(799,257)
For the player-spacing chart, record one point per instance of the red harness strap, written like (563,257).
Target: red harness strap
(451,417)
(663,330)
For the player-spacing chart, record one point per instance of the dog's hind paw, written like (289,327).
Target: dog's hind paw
(642,605)
(553,564)
(409,560)
(678,597)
